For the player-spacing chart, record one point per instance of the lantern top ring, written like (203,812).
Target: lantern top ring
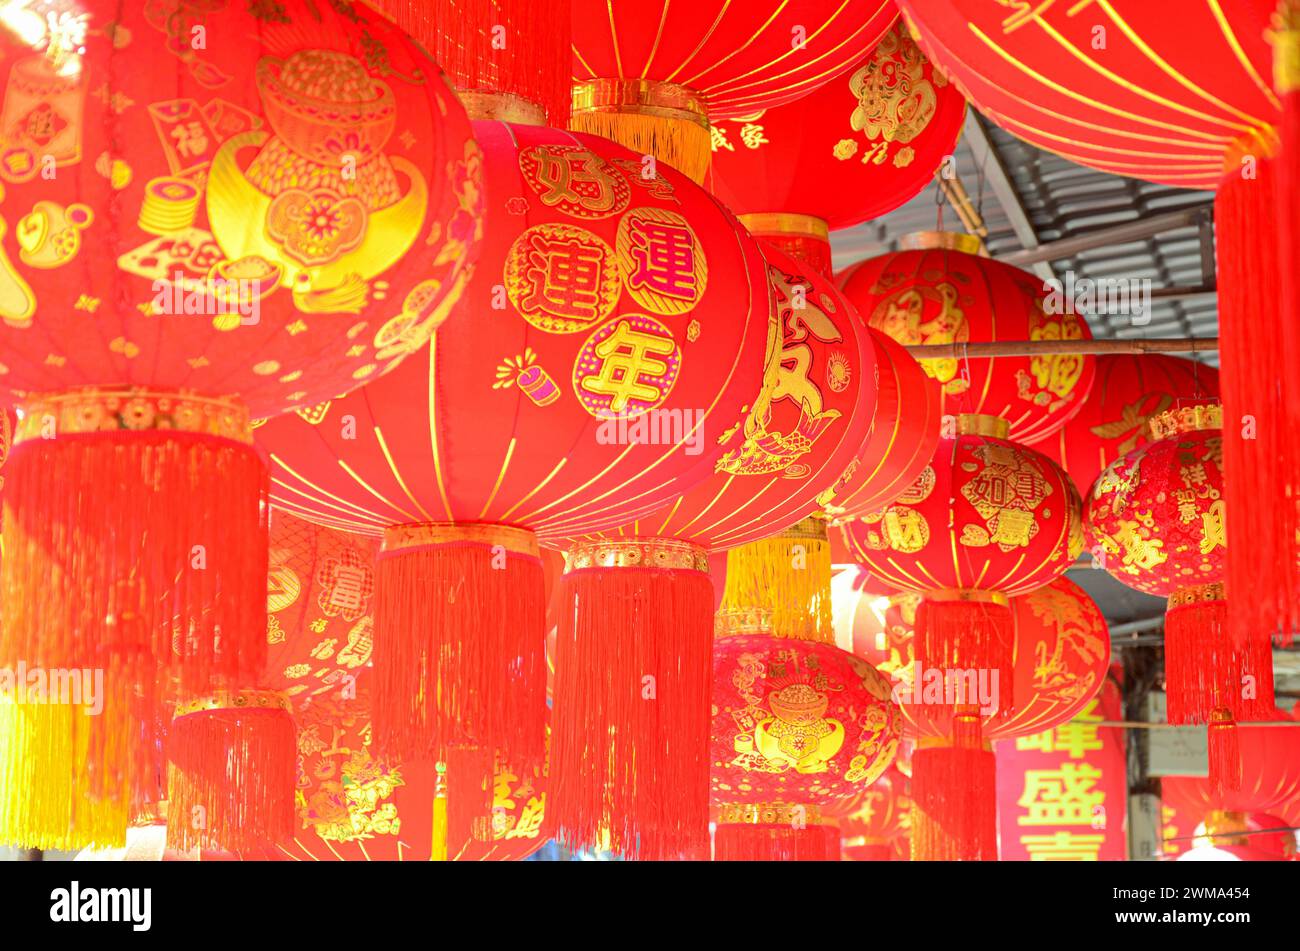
(1186,419)
(130,408)
(967,594)
(786,222)
(482,105)
(640,97)
(769,814)
(416,535)
(1196,594)
(983,424)
(940,241)
(235,700)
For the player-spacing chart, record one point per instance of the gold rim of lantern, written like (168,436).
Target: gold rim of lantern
(983,424)
(1186,419)
(249,699)
(762,223)
(769,814)
(130,409)
(1197,594)
(501,107)
(669,553)
(941,241)
(644,97)
(974,595)
(519,541)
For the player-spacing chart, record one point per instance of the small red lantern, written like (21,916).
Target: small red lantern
(1157,518)
(1129,390)
(654,75)
(857,148)
(217,211)
(939,290)
(795,725)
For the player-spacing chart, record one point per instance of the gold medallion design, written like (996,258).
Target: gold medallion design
(562,278)
(661,260)
(1005,492)
(925,314)
(574,181)
(895,100)
(627,367)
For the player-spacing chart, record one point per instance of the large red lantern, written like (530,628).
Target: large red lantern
(654,75)
(858,147)
(942,291)
(1157,520)
(198,238)
(795,725)
(1200,102)
(618,329)
(648,581)
(1128,391)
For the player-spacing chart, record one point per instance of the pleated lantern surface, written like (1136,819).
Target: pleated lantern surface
(613,323)
(1062,650)
(655,75)
(216,214)
(939,290)
(860,146)
(1210,99)
(1157,521)
(620,777)
(1129,390)
(796,725)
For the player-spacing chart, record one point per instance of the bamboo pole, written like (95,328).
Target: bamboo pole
(1034,348)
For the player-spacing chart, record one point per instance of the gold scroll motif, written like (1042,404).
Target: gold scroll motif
(924,314)
(1006,491)
(895,101)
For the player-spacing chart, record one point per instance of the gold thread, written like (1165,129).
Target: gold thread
(638,553)
(520,541)
(131,408)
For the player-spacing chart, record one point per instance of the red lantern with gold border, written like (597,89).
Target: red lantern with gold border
(648,580)
(630,324)
(795,725)
(939,290)
(858,147)
(1128,391)
(654,75)
(1200,103)
(1156,518)
(199,237)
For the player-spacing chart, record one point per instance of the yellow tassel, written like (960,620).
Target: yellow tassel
(47,799)
(683,143)
(781,586)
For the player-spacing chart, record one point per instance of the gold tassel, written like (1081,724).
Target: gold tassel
(661,119)
(780,586)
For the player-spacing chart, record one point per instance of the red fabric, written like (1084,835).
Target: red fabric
(796,722)
(903,436)
(857,148)
(1122,87)
(986,514)
(755,842)
(489,423)
(519,47)
(741,57)
(1129,390)
(801,433)
(165,157)
(1270,773)
(880,814)
(946,296)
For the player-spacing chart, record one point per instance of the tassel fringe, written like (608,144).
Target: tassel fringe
(783,589)
(954,803)
(751,842)
(681,143)
(955,635)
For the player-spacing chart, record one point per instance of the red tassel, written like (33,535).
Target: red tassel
(521,47)
(1204,670)
(232,774)
(1225,753)
(1261,401)
(630,725)
(469,777)
(144,554)
(954,804)
(969,633)
(752,842)
(460,641)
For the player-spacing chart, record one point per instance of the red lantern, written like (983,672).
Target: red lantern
(1128,391)
(941,291)
(876,627)
(880,822)
(1270,776)
(632,321)
(519,48)
(275,227)
(857,148)
(1200,103)
(795,725)
(1157,519)
(654,75)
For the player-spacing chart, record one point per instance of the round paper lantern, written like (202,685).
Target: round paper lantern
(630,320)
(1157,520)
(1247,836)
(942,291)
(1202,102)
(654,75)
(198,236)
(1128,391)
(795,725)
(857,148)
(1270,776)
(881,821)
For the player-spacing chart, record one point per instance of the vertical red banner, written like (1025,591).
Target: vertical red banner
(1063,793)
